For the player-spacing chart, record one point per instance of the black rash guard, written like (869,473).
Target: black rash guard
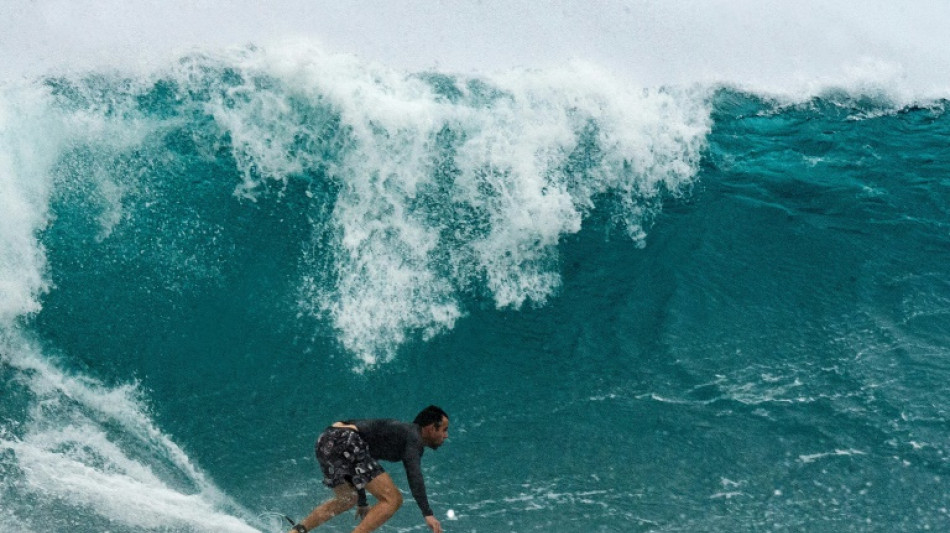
(392,440)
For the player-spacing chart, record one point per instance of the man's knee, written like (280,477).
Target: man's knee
(390,497)
(391,503)
(396,499)
(385,491)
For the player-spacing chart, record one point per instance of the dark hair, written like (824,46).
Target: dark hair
(430,415)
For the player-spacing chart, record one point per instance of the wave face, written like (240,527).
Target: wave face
(645,309)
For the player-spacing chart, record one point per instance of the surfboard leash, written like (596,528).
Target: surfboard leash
(293,523)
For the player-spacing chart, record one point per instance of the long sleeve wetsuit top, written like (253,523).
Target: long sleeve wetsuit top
(392,440)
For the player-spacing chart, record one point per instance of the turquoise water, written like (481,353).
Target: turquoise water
(668,309)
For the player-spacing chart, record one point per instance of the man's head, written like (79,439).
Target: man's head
(435,426)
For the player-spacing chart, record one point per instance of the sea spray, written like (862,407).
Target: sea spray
(25,128)
(429,186)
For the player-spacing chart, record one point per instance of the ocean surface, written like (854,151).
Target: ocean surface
(646,309)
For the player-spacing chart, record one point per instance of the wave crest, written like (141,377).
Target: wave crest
(443,185)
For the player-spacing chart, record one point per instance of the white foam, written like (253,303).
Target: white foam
(25,158)
(399,269)
(125,493)
(811,458)
(64,450)
(34,135)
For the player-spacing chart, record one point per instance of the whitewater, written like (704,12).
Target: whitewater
(668,267)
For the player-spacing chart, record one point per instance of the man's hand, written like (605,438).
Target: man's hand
(433,524)
(361,512)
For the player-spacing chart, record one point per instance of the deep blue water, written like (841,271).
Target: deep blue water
(645,310)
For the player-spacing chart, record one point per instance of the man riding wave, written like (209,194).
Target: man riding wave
(348,452)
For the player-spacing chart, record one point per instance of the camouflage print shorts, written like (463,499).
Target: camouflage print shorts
(344,458)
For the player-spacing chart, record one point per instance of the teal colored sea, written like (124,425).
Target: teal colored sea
(646,309)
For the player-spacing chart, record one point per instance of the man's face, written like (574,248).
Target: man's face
(435,436)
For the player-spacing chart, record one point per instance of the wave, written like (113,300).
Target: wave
(396,200)
(418,188)
(376,207)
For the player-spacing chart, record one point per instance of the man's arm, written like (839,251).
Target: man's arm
(417,485)
(413,464)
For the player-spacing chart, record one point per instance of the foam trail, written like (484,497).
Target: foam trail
(90,446)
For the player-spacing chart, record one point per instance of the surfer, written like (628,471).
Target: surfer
(348,452)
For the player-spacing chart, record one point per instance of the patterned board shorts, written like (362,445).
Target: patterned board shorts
(344,458)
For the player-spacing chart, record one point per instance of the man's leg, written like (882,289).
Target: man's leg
(343,500)
(388,501)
